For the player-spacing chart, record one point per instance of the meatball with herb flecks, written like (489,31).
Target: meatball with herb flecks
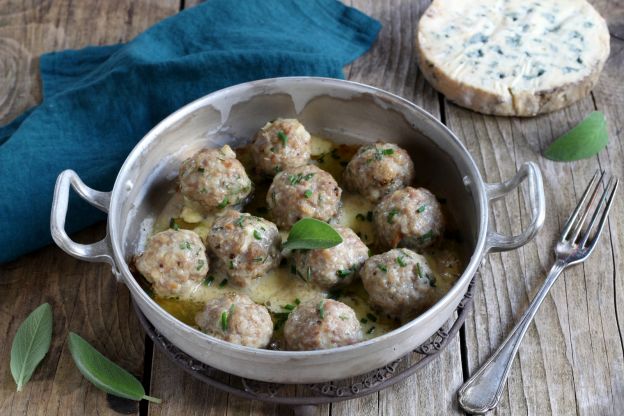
(236,318)
(249,246)
(215,179)
(333,266)
(174,262)
(305,191)
(378,169)
(321,324)
(409,217)
(279,145)
(399,283)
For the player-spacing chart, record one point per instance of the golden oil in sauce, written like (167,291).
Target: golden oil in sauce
(281,289)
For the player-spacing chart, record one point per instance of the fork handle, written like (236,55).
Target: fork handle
(483,390)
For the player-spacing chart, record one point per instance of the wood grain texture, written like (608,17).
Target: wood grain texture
(85,296)
(571,358)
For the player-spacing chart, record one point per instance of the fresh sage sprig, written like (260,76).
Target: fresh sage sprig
(309,233)
(585,140)
(31,343)
(103,373)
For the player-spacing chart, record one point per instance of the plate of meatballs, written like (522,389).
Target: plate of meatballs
(215,261)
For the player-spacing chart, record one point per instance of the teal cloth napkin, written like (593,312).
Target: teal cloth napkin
(99,101)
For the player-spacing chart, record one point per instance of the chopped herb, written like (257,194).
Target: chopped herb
(393,212)
(185,245)
(297,301)
(240,221)
(223,203)
(307,194)
(419,271)
(364,321)
(360,217)
(283,137)
(173,224)
(421,208)
(200,264)
(426,236)
(208,281)
(321,309)
(224,320)
(223,283)
(280,319)
(400,260)
(201,170)
(371,330)
(387,152)
(382,267)
(343,317)
(289,307)
(371,317)
(231,264)
(345,272)
(309,274)
(258,259)
(369,216)
(257,235)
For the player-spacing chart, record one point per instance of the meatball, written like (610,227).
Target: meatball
(377,170)
(236,318)
(215,179)
(399,283)
(248,246)
(333,266)
(409,217)
(305,191)
(279,145)
(174,262)
(317,325)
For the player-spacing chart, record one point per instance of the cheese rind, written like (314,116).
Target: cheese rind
(510,57)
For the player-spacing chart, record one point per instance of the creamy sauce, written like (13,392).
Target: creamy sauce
(282,289)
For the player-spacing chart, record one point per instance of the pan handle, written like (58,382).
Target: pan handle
(96,252)
(495,241)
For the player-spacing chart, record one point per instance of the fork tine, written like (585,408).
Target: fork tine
(571,220)
(605,213)
(579,224)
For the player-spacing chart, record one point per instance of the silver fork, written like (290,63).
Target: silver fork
(483,390)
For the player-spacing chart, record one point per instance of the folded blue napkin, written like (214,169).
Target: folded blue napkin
(99,101)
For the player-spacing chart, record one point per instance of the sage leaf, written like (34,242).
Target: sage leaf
(103,373)
(31,343)
(309,233)
(585,140)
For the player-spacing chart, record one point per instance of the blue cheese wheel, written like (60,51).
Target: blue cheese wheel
(511,57)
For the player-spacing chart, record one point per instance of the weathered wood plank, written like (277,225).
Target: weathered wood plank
(85,297)
(570,360)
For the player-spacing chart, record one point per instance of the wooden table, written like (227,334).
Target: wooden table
(572,359)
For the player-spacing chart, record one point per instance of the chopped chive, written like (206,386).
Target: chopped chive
(426,236)
(240,221)
(224,320)
(344,273)
(257,235)
(185,245)
(343,317)
(321,309)
(421,208)
(223,283)
(371,330)
(382,267)
(283,137)
(307,194)
(387,152)
(223,203)
(297,301)
(393,212)
(208,281)
(200,264)
(309,274)
(419,271)
(400,261)
(360,217)
(173,224)
(289,307)
(258,259)
(371,317)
